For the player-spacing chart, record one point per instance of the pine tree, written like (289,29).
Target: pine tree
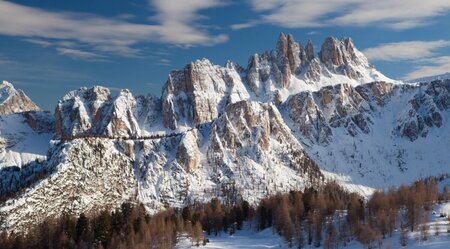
(81,227)
(103,228)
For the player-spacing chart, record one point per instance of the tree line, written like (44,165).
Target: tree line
(332,217)
(328,216)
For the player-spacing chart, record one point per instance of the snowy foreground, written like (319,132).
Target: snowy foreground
(244,239)
(250,239)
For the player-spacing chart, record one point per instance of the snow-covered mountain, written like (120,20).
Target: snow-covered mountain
(289,120)
(25,130)
(14,101)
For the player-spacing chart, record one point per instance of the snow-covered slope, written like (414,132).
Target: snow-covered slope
(24,138)
(249,238)
(378,134)
(290,120)
(248,152)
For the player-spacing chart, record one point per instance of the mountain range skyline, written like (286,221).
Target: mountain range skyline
(135,45)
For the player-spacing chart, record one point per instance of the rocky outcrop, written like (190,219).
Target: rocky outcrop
(316,114)
(86,174)
(14,101)
(424,109)
(341,57)
(82,111)
(94,111)
(294,67)
(258,72)
(122,116)
(288,57)
(308,117)
(188,154)
(309,51)
(199,92)
(251,133)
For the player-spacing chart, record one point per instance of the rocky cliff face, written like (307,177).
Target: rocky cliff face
(14,101)
(292,68)
(199,92)
(85,174)
(292,119)
(254,133)
(425,109)
(315,114)
(94,111)
(375,134)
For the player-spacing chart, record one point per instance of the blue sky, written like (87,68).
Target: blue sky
(49,47)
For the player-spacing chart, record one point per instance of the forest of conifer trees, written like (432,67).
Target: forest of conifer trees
(329,216)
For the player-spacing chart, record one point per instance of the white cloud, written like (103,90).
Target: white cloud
(176,23)
(434,66)
(394,14)
(246,25)
(422,55)
(40,42)
(163,62)
(314,32)
(407,50)
(80,54)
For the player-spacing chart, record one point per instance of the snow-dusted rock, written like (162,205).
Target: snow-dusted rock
(94,111)
(198,93)
(14,101)
(85,174)
(82,111)
(316,113)
(252,133)
(424,109)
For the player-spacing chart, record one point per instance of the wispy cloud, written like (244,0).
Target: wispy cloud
(314,32)
(406,50)
(246,25)
(430,67)
(176,23)
(80,54)
(40,42)
(392,14)
(422,55)
(163,62)
(26,72)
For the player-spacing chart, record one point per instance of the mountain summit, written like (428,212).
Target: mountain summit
(200,91)
(14,101)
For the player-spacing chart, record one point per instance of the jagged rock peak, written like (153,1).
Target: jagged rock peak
(287,57)
(341,52)
(198,93)
(94,111)
(309,50)
(14,101)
